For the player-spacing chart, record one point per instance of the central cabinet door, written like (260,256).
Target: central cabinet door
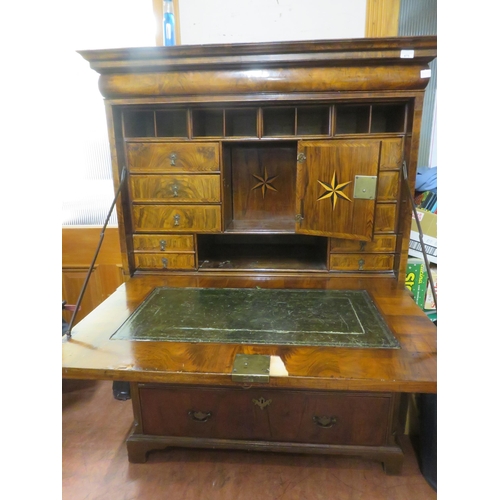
(327,174)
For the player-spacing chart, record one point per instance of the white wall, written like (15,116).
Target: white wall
(241,21)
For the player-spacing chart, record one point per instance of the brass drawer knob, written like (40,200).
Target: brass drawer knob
(200,416)
(324,421)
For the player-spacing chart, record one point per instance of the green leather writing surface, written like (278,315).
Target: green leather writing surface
(259,316)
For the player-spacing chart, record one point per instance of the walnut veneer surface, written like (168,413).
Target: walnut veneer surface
(276,165)
(90,353)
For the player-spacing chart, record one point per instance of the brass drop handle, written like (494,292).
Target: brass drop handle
(361,264)
(324,421)
(199,416)
(175,190)
(177,219)
(164,262)
(163,245)
(173,157)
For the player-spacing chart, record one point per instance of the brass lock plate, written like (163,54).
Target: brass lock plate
(251,368)
(365,187)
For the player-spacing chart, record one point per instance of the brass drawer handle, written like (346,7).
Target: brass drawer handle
(173,157)
(164,261)
(262,402)
(175,191)
(177,219)
(361,264)
(163,245)
(200,416)
(324,421)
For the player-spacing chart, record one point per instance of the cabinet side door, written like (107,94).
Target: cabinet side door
(327,174)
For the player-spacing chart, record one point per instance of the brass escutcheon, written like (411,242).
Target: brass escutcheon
(262,402)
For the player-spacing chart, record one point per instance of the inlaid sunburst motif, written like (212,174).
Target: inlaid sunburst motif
(264,182)
(333,191)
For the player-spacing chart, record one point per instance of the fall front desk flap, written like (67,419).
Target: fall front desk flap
(259,316)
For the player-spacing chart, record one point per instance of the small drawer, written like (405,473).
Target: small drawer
(172,157)
(187,218)
(391,155)
(335,418)
(385,218)
(388,186)
(380,243)
(361,262)
(176,188)
(164,261)
(164,243)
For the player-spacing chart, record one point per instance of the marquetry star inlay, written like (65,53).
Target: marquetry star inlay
(333,191)
(264,182)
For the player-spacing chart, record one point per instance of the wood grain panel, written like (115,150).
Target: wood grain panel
(289,415)
(79,245)
(391,156)
(167,243)
(385,217)
(380,243)
(176,188)
(325,188)
(388,186)
(382,18)
(164,261)
(234,81)
(412,368)
(182,218)
(361,262)
(157,157)
(253,197)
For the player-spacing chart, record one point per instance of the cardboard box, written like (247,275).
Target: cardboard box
(416,280)
(428,223)
(429,298)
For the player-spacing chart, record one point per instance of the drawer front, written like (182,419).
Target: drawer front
(164,243)
(172,157)
(361,262)
(347,419)
(176,188)
(164,261)
(190,218)
(391,154)
(388,186)
(380,243)
(273,415)
(385,218)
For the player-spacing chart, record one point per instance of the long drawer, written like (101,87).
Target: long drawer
(191,218)
(164,261)
(163,243)
(177,157)
(176,188)
(361,262)
(264,414)
(380,243)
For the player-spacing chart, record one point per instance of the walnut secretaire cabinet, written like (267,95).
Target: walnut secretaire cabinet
(257,166)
